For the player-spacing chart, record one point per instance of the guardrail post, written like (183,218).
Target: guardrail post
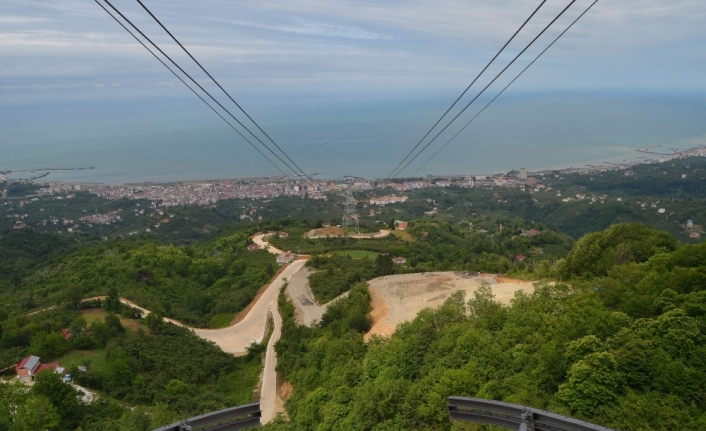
(514,416)
(527,420)
(184,426)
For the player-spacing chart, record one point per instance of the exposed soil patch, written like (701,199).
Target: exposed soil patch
(399,298)
(285,391)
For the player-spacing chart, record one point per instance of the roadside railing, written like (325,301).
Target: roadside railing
(514,416)
(230,419)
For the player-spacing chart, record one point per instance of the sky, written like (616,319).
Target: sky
(287,53)
(333,48)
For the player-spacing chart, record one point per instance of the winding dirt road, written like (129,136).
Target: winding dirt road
(235,339)
(260,240)
(308,310)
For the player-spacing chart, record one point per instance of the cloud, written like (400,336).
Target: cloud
(409,44)
(313,28)
(8,19)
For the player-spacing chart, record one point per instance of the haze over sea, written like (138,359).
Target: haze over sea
(184,141)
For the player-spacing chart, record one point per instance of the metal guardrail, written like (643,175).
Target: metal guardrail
(230,419)
(514,416)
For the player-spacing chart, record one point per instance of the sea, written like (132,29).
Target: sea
(166,139)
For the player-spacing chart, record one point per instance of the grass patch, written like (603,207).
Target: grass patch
(94,359)
(221,320)
(95,315)
(403,235)
(359,254)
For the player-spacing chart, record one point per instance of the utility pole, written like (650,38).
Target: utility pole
(350,217)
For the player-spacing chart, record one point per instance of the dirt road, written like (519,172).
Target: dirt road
(260,240)
(399,298)
(268,393)
(308,310)
(234,339)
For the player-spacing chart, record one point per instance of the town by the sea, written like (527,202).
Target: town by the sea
(178,139)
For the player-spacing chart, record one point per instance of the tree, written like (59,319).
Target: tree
(49,345)
(384,265)
(72,297)
(118,378)
(11,395)
(63,397)
(135,420)
(112,302)
(591,383)
(113,323)
(36,414)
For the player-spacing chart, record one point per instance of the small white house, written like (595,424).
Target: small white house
(285,258)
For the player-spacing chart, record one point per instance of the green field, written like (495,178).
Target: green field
(359,254)
(94,359)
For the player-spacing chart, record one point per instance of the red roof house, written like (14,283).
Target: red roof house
(48,367)
(66,333)
(30,363)
(520,258)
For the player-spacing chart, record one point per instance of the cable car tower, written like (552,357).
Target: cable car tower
(350,216)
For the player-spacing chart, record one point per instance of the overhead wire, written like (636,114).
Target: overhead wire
(189,87)
(486,87)
(199,85)
(467,88)
(219,85)
(507,86)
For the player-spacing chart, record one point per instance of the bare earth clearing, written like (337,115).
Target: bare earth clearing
(333,232)
(399,298)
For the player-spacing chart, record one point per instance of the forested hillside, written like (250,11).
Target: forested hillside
(145,374)
(202,285)
(621,343)
(445,246)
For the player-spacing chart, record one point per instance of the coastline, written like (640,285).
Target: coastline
(585,165)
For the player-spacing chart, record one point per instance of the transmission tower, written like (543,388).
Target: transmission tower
(350,217)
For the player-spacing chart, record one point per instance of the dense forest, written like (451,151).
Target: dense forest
(621,343)
(202,285)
